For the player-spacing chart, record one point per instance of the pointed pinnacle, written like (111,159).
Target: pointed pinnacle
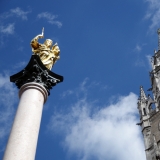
(158,31)
(142,94)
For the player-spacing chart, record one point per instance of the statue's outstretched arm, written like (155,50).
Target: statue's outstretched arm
(34,41)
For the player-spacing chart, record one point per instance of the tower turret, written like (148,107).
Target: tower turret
(149,110)
(142,104)
(155,74)
(144,111)
(158,32)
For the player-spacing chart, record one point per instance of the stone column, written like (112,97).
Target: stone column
(24,134)
(34,82)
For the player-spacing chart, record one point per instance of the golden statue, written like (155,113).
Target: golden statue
(48,55)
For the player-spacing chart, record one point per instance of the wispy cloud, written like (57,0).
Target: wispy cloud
(20,13)
(7,101)
(20,48)
(84,89)
(101,132)
(66,93)
(8,29)
(153,14)
(15,12)
(138,48)
(149,59)
(50,18)
(139,63)
(20,64)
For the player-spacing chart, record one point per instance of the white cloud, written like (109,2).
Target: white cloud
(20,48)
(149,59)
(101,133)
(138,48)
(66,93)
(20,13)
(15,12)
(153,13)
(50,18)
(20,64)
(139,63)
(9,29)
(7,100)
(85,89)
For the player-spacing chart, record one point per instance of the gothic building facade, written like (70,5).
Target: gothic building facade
(149,110)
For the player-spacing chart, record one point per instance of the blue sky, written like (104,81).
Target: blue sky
(105,48)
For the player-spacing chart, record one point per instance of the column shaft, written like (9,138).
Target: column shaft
(24,133)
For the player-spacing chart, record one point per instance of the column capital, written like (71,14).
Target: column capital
(36,72)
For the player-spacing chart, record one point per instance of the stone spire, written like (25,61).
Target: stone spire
(158,31)
(142,94)
(143,104)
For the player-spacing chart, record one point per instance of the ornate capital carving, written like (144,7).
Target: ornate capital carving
(35,71)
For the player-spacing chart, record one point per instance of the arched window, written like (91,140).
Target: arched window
(158,102)
(144,111)
(150,108)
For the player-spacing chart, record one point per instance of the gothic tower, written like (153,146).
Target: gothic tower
(149,110)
